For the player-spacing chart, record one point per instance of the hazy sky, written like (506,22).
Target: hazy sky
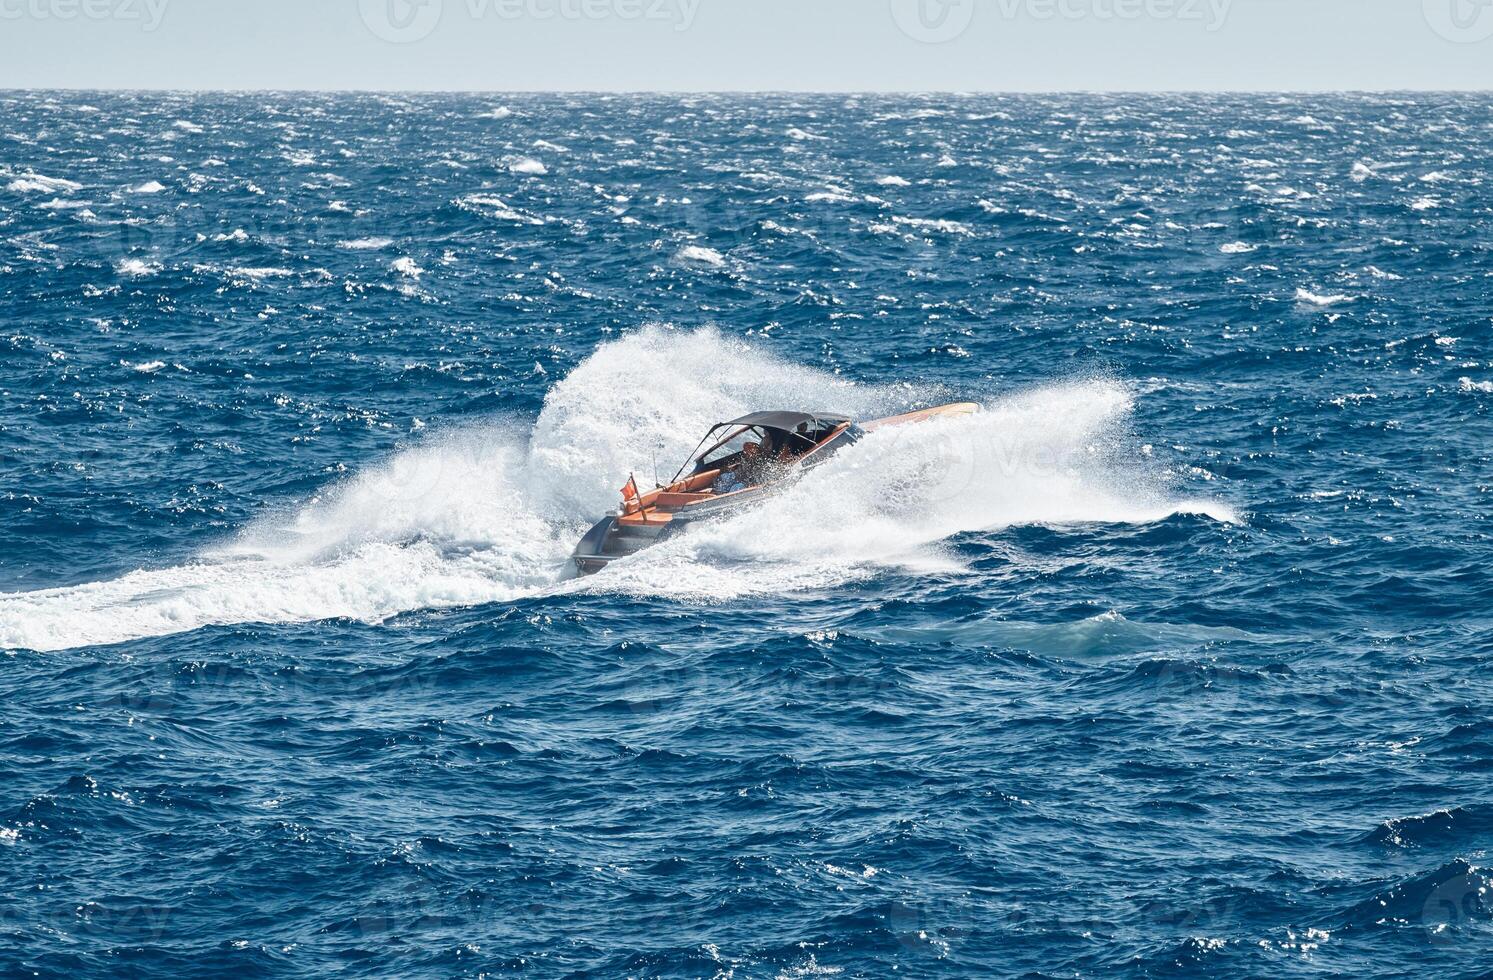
(1004,45)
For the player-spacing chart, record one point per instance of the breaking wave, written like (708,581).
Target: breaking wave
(490,513)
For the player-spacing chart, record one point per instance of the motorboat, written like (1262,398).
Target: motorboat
(736,465)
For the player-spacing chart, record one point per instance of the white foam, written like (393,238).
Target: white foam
(258,273)
(892,180)
(495,207)
(701,254)
(32,182)
(136,267)
(62,204)
(1318,299)
(1237,248)
(149,187)
(529,166)
(366,244)
(407,266)
(490,514)
(932,224)
(435,526)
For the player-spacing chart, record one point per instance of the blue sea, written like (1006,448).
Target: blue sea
(1173,661)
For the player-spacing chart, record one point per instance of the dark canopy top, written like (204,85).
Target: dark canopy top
(787,421)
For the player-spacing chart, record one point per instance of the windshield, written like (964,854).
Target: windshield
(728,442)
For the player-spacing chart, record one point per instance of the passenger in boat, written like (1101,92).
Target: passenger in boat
(759,463)
(740,476)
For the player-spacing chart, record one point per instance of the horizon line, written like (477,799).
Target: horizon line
(734,91)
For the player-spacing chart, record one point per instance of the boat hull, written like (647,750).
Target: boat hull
(613,538)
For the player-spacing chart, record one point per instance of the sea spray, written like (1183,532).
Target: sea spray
(489,513)
(653,394)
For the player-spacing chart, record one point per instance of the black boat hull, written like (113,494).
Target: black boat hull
(610,539)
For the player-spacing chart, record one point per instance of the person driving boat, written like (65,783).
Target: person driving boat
(745,473)
(755,467)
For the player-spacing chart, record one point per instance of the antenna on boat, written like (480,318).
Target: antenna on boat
(656,484)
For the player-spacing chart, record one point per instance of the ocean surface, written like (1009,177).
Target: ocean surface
(1174,661)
